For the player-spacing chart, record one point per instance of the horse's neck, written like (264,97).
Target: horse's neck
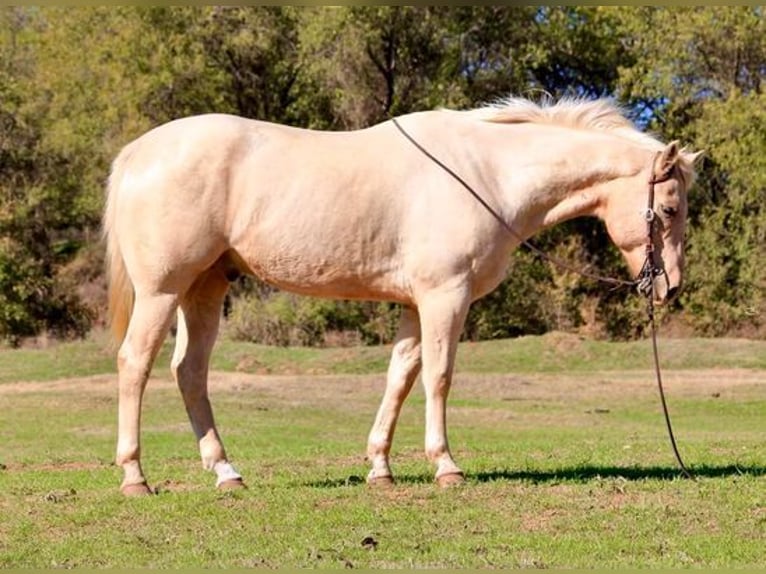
(535,175)
(571,185)
(568,204)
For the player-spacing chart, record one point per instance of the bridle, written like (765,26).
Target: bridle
(645,285)
(644,281)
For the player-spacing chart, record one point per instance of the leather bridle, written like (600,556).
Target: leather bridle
(645,286)
(651,268)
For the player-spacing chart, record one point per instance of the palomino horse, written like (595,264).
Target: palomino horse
(363,215)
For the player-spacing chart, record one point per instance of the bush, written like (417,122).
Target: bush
(33,302)
(521,305)
(285,319)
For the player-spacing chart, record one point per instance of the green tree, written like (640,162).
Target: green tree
(40,212)
(76,84)
(727,279)
(699,74)
(374,62)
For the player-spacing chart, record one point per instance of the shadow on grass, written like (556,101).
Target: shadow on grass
(578,474)
(587,473)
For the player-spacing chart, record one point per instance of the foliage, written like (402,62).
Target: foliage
(700,72)
(728,281)
(76,84)
(518,306)
(42,212)
(285,319)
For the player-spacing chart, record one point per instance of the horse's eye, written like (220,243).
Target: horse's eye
(669,211)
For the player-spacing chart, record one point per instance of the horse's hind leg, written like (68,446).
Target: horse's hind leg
(148,326)
(198,320)
(402,372)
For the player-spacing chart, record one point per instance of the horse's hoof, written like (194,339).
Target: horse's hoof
(380,481)
(232,484)
(140,489)
(450,479)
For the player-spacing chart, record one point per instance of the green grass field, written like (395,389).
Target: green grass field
(562,440)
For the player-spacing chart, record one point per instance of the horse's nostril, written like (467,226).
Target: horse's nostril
(672,292)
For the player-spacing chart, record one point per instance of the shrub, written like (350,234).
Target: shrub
(285,319)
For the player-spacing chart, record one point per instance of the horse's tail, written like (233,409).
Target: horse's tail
(121,293)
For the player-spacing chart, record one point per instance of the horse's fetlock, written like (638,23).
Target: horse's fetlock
(377,448)
(435,453)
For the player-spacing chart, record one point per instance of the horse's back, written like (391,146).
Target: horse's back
(335,214)
(300,207)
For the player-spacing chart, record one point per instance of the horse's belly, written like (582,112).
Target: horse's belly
(331,277)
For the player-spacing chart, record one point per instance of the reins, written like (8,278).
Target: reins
(644,282)
(648,272)
(539,252)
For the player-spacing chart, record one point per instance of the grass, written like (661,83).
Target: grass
(562,441)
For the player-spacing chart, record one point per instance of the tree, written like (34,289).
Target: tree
(40,212)
(76,84)
(374,62)
(699,73)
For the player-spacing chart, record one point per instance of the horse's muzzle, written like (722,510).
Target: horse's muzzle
(653,282)
(646,281)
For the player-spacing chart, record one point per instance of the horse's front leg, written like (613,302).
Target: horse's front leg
(402,372)
(198,321)
(442,315)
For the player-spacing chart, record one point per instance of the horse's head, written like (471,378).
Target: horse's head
(668,175)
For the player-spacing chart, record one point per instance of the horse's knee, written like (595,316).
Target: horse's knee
(407,351)
(405,363)
(403,369)
(126,359)
(133,370)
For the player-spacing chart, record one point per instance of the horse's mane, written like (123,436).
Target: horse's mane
(600,115)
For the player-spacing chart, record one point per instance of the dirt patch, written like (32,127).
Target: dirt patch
(540,521)
(506,387)
(91,384)
(542,387)
(59,466)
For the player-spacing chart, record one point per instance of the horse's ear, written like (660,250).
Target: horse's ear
(667,160)
(693,157)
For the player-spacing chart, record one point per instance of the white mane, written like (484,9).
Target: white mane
(601,115)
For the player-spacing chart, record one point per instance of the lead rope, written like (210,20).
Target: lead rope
(658,375)
(648,269)
(651,271)
(539,252)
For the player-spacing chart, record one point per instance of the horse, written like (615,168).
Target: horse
(363,214)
